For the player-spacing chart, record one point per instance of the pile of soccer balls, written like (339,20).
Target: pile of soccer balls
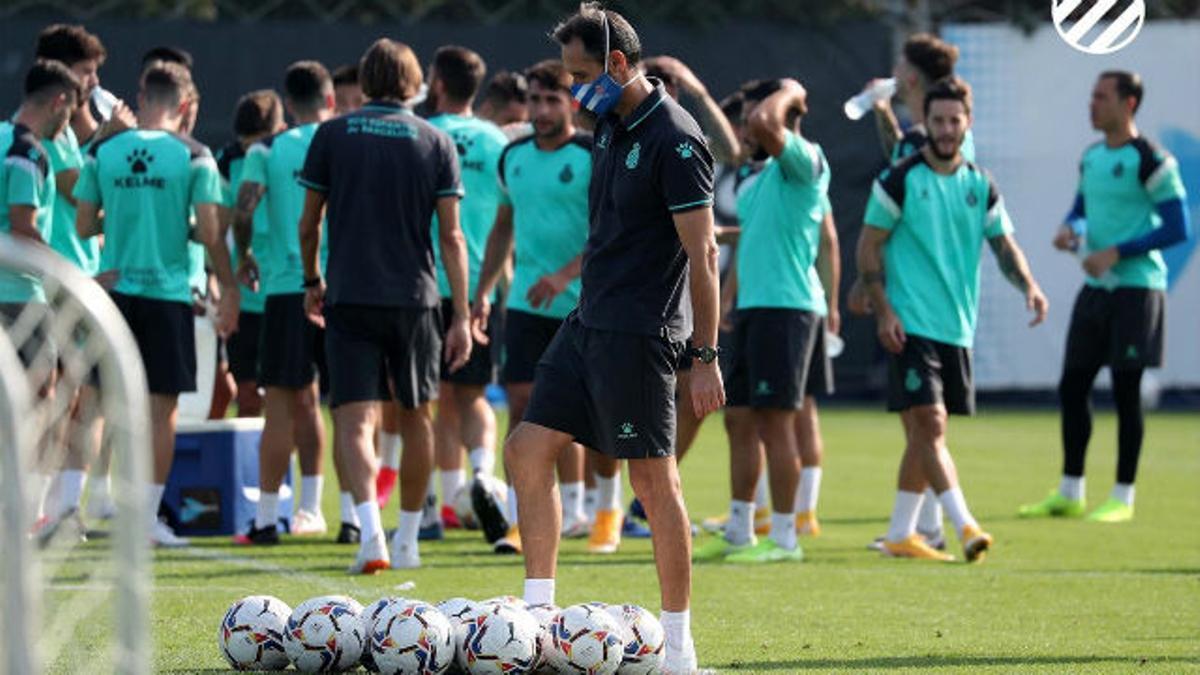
(333,633)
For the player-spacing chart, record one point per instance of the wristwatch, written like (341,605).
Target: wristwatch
(312,282)
(704,354)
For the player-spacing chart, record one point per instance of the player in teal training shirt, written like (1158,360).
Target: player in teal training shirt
(542,225)
(148,180)
(1130,206)
(924,229)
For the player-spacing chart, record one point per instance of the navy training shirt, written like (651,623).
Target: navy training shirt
(383,170)
(646,167)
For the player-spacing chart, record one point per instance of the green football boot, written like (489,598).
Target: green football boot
(1112,511)
(1054,506)
(766,551)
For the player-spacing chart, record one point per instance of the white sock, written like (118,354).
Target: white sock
(572,499)
(539,591)
(371,524)
(904,516)
(740,526)
(310,492)
(590,498)
(761,491)
(956,508)
(349,513)
(482,460)
(389,450)
(810,490)
(410,523)
(678,628)
(101,488)
(41,487)
(1123,492)
(452,481)
(608,493)
(267,510)
(512,506)
(929,518)
(783,530)
(70,489)
(156,496)
(1072,487)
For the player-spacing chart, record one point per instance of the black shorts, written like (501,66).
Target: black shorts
(929,372)
(771,355)
(36,349)
(366,346)
(291,348)
(478,370)
(526,337)
(611,391)
(242,347)
(166,337)
(1122,329)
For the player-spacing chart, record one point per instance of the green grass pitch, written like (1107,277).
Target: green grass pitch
(1053,597)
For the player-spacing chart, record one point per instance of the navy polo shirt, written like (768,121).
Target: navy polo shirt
(383,170)
(646,167)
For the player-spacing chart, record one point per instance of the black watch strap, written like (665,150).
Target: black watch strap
(312,282)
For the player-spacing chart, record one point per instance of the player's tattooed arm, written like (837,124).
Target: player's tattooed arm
(1015,268)
(248,197)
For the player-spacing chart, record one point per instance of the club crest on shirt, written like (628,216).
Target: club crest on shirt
(635,154)
(1118,170)
(602,142)
(685,150)
(566,175)
(972,200)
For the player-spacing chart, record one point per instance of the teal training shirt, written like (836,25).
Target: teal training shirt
(147,182)
(548,193)
(65,155)
(780,204)
(931,260)
(1120,188)
(26,179)
(275,163)
(479,144)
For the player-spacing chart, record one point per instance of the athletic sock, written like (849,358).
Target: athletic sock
(539,591)
(904,516)
(572,500)
(740,526)
(783,530)
(389,450)
(406,532)
(1131,423)
(512,506)
(70,489)
(956,508)
(370,522)
(929,516)
(310,492)
(452,481)
(677,627)
(1072,487)
(267,510)
(483,460)
(1075,403)
(809,490)
(761,492)
(1123,492)
(101,489)
(608,493)
(349,513)
(41,489)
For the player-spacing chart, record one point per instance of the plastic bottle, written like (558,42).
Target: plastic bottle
(857,106)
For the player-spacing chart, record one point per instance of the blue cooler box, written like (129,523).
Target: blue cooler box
(213,486)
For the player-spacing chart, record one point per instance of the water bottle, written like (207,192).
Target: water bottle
(104,101)
(857,106)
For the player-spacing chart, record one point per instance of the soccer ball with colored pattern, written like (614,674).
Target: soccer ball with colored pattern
(251,634)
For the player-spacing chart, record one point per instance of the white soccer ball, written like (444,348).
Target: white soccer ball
(507,601)
(412,638)
(644,638)
(545,616)
(369,613)
(457,609)
(325,634)
(497,640)
(586,639)
(251,634)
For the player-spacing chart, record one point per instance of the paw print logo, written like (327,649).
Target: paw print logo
(685,150)
(140,160)
(463,143)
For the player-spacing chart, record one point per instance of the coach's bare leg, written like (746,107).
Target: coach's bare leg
(163,414)
(354,431)
(531,454)
(656,483)
(518,399)
(416,461)
(745,456)
(687,425)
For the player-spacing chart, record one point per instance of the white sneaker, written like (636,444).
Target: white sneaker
(372,556)
(161,534)
(681,661)
(404,556)
(308,523)
(576,527)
